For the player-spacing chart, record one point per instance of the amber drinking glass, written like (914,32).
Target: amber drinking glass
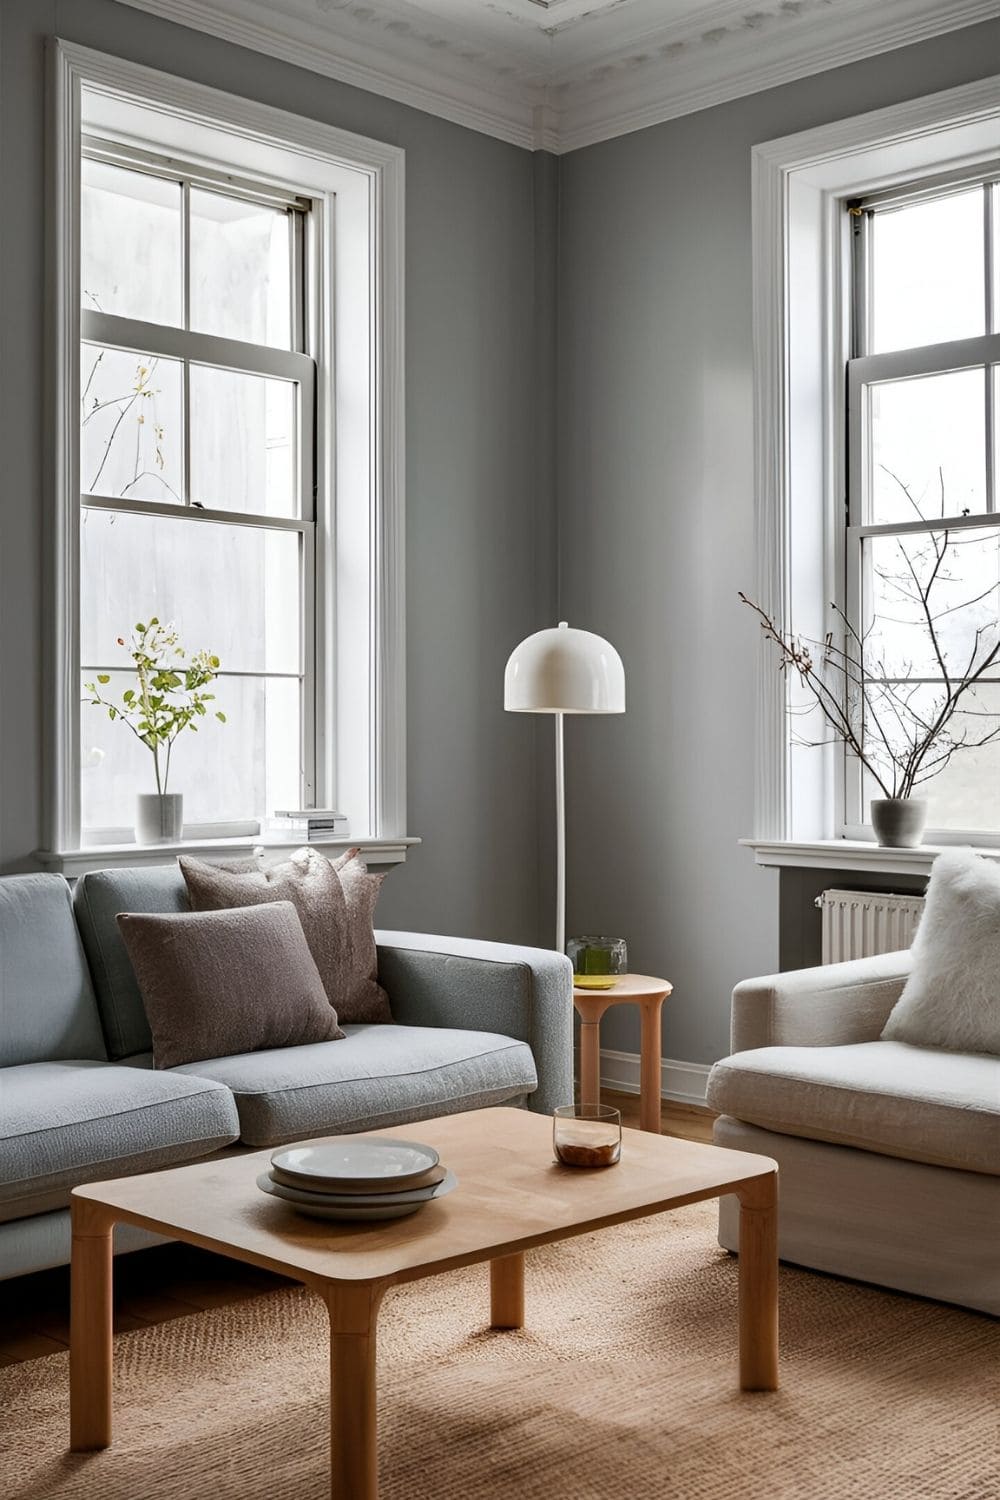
(587,1135)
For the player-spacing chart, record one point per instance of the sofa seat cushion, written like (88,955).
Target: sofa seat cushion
(913,1102)
(381,1074)
(64,1123)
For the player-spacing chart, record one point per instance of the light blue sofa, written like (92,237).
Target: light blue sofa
(475,1024)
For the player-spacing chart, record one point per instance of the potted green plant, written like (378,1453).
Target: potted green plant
(168,698)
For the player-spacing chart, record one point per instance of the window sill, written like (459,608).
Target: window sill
(73,862)
(850,854)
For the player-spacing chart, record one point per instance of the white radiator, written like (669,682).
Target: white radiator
(857,924)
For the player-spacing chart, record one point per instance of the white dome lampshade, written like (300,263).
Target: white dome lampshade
(564,671)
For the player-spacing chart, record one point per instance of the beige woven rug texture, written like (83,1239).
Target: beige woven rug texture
(622,1387)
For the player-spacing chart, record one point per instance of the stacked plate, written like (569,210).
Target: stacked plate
(358,1177)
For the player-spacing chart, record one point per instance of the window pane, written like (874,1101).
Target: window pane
(242,442)
(132,433)
(958,572)
(240,270)
(928,438)
(928,280)
(230,590)
(965,792)
(246,768)
(130,253)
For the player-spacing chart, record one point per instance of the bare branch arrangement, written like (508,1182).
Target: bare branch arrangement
(897,720)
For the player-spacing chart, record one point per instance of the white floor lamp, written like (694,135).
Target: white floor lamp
(559,672)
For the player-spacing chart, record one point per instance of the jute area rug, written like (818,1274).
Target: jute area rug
(622,1387)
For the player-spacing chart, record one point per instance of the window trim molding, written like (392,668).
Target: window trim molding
(797,184)
(378,170)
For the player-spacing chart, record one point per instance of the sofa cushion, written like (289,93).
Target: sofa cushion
(335,901)
(380,1075)
(97,900)
(47,1007)
(922,1105)
(63,1123)
(952,997)
(221,982)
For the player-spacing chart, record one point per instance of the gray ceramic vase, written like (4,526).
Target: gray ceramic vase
(899,821)
(159,820)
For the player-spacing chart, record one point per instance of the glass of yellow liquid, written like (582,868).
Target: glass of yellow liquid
(597,961)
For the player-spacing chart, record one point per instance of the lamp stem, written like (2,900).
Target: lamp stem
(560,838)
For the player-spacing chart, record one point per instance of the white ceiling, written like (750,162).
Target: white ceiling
(559,74)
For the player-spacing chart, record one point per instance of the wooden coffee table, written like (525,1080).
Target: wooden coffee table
(511,1196)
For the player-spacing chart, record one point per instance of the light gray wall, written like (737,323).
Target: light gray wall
(641,423)
(480,538)
(656,526)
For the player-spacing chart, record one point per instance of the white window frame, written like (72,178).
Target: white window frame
(295,365)
(865,371)
(357,338)
(801,331)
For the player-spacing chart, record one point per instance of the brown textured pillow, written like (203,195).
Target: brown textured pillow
(336,906)
(222,982)
(367,1001)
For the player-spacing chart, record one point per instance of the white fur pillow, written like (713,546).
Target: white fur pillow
(952,997)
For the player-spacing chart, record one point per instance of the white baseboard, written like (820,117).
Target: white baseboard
(683,1082)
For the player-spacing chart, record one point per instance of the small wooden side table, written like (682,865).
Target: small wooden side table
(631,989)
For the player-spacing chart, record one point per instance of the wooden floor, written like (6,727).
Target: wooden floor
(170,1281)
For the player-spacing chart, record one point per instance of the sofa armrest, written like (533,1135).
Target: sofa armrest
(525,993)
(822,1007)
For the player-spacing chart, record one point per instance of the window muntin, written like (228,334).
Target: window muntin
(923,403)
(197,478)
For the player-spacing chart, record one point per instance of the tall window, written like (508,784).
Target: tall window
(197,459)
(923,532)
(225,382)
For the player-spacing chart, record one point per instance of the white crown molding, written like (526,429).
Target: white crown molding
(505,112)
(734,48)
(746,61)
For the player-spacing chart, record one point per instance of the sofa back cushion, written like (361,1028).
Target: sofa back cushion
(97,900)
(47,1009)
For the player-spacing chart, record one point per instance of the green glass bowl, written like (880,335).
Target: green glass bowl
(597,961)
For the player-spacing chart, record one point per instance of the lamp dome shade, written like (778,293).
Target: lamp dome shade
(564,671)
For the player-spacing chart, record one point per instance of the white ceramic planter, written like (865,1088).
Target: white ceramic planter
(899,821)
(159,820)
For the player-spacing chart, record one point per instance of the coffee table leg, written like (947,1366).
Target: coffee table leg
(353,1313)
(90,1328)
(507,1291)
(759,1284)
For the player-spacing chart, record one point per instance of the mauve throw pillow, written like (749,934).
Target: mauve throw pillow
(367,1000)
(218,983)
(952,997)
(336,906)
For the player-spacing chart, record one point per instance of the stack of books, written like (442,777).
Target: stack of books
(315,825)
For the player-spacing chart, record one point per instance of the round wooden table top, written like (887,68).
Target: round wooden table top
(627,987)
